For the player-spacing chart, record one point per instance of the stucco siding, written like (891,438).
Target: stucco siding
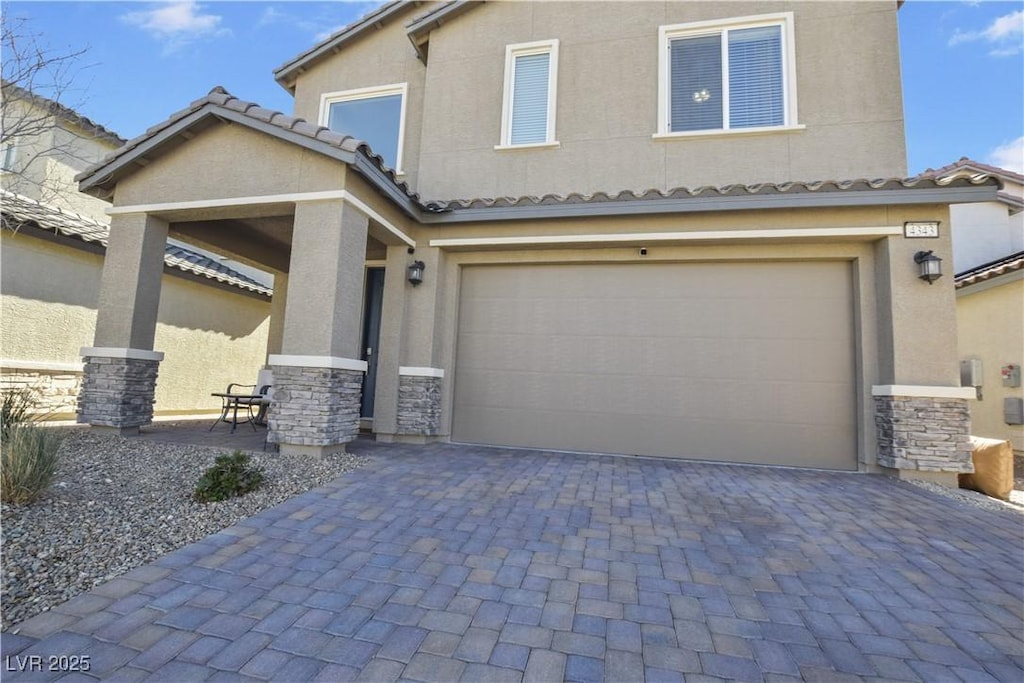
(210,338)
(383,57)
(990,320)
(847,69)
(227,161)
(50,291)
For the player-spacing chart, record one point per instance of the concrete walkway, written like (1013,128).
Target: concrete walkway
(447,563)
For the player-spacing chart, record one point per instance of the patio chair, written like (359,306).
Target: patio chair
(265,384)
(246,396)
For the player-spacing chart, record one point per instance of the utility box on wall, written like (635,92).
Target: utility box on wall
(1011,375)
(1013,411)
(970,372)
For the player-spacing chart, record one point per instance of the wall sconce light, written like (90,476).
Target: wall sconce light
(930,266)
(416,272)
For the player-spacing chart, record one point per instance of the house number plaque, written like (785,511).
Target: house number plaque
(921,229)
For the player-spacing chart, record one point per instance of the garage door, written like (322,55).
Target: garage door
(736,362)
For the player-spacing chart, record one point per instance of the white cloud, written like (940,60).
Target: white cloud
(1005,35)
(176,24)
(1009,156)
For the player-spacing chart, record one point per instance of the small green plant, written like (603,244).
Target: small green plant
(230,476)
(28,451)
(15,410)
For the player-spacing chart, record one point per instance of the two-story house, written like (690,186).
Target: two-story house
(604,227)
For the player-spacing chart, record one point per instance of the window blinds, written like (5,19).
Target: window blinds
(530,85)
(754,75)
(696,83)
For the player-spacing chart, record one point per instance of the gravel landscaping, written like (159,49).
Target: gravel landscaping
(118,503)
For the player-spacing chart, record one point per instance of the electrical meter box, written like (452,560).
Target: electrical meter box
(1011,375)
(970,372)
(1013,411)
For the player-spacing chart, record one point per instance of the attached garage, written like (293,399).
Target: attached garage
(738,361)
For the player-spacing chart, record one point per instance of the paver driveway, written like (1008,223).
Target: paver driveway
(450,562)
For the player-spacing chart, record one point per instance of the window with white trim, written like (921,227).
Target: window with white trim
(7,157)
(528,105)
(374,115)
(735,75)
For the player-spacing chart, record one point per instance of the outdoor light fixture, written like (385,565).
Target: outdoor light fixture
(416,272)
(930,266)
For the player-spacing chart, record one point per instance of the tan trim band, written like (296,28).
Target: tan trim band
(117,352)
(784,233)
(50,366)
(417,371)
(918,391)
(332,362)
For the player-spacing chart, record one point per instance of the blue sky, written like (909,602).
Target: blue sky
(963,66)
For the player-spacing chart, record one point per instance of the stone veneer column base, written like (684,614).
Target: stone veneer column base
(315,409)
(925,437)
(419,402)
(118,392)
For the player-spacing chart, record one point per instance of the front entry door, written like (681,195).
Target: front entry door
(372,306)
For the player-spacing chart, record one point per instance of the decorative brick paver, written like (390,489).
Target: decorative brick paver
(449,562)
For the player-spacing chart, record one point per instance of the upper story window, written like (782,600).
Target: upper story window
(528,106)
(374,115)
(8,155)
(721,76)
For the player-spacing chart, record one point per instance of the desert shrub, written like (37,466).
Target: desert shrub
(28,451)
(15,407)
(230,476)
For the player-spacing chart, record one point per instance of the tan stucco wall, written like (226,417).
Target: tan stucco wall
(48,298)
(990,323)
(607,99)
(226,161)
(206,347)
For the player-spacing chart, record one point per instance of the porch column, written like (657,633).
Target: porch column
(410,381)
(317,376)
(121,368)
(921,413)
(275,336)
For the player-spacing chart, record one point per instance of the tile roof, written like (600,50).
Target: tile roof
(726,191)
(219,102)
(987,271)
(17,210)
(966,164)
(60,111)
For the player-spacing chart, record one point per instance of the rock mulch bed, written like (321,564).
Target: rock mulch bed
(118,503)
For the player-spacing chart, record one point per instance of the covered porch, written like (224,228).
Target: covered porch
(350,339)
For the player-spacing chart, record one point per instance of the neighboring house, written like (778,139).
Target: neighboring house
(988,257)
(52,246)
(495,243)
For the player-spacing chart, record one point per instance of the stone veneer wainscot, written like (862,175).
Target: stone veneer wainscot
(419,405)
(315,406)
(921,432)
(118,387)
